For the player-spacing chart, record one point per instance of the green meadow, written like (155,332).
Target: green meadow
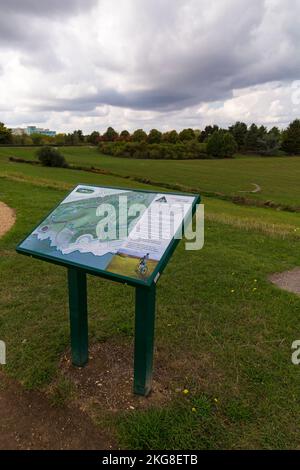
(278,177)
(223,332)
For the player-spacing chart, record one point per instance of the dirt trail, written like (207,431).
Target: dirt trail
(29,421)
(7,218)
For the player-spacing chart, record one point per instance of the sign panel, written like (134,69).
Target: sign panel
(119,233)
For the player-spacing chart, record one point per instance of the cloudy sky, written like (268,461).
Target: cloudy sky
(88,64)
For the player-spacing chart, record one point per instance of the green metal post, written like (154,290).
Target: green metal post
(78,316)
(144,339)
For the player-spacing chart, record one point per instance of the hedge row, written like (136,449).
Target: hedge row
(181,151)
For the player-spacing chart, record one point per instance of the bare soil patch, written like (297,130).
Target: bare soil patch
(29,421)
(288,280)
(33,420)
(105,384)
(107,380)
(7,218)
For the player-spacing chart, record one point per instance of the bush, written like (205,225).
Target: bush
(50,156)
(221,144)
(166,151)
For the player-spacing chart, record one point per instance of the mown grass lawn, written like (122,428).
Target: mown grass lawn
(223,332)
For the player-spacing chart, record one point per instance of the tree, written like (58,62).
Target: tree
(251,142)
(239,132)
(208,131)
(262,131)
(269,144)
(110,135)
(36,138)
(26,140)
(125,136)
(78,136)
(20,139)
(69,140)
(5,134)
(60,139)
(154,136)
(197,133)
(50,156)
(275,131)
(170,137)
(75,138)
(221,144)
(94,138)
(291,138)
(139,136)
(186,134)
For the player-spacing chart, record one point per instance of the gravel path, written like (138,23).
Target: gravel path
(7,218)
(288,280)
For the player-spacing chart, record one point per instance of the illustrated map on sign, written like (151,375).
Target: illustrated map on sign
(125,232)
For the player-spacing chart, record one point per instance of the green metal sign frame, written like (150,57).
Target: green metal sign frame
(144,300)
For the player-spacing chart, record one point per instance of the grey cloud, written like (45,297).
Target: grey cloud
(44,8)
(183,58)
(20,26)
(168,54)
(233,51)
(149,99)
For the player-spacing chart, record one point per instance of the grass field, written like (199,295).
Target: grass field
(224,332)
(278,177)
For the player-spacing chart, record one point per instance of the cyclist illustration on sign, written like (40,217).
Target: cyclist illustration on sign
(142,267)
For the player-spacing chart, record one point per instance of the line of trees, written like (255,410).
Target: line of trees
(188,150)
(238,137)
(253,138)
(219,143)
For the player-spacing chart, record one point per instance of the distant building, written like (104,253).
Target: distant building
(38,130)
(18,131)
